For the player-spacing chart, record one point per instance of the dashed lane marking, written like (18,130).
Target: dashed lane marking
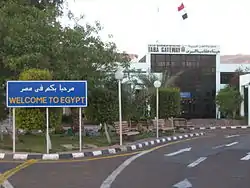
(231,144)
(198,161)
(111,178)
(232,136)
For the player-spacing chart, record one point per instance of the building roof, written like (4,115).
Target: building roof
(129,57)
(235,59)
(143,59)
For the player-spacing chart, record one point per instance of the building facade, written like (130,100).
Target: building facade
(198,70)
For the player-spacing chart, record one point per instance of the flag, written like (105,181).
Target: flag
(183,12)
(184,16)
(181,7)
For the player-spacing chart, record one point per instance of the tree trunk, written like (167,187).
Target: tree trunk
(234,114)
(1,132)
(107,133)
(75,119)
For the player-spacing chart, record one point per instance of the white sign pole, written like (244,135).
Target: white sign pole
(47,130)
(80,129)
(157,112)
(14,130)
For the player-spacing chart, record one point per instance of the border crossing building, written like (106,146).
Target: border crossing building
(198,70)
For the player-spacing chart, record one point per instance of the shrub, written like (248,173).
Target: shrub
(229,100)
(169,102)
(35,118)
(103,106)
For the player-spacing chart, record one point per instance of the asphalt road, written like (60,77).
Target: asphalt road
(213,161)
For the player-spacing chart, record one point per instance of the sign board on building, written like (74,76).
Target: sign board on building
(46,94)
(185,94)
(183,49)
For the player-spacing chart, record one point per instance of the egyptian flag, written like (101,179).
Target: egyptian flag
(183,12)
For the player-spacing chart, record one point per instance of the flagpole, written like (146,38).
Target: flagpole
(157,23)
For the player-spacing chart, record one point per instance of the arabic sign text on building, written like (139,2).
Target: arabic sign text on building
(183,49)
(46,94)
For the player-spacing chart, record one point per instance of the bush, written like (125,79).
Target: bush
(229,100)
(169,102)
(35,118)
(103,106)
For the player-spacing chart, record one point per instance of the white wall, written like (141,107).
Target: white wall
(244,79)
(231,67)
(142,66)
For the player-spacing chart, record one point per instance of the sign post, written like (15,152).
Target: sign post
(47,94)
(80,129)
(47,131)
(14,130)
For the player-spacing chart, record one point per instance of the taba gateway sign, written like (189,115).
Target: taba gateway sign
(183,49)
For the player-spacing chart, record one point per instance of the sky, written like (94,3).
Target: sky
(136,23)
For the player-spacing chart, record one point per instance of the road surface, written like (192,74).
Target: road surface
(219,160)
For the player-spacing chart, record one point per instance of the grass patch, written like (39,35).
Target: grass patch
(37,143)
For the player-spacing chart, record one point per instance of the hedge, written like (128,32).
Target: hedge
(35,118)
(102,106)
(169,103)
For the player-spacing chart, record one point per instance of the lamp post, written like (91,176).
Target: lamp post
(157,84)
(119,76)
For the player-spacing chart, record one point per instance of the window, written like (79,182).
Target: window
(225,77)
(160,64)
(208,60)
(167,57)
(153,58)
(191,57)
(175,58)
(160,58)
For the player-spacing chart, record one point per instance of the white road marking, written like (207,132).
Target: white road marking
(178,152)
(183,184)
(109,180)
(226,145)
(198,161)
(231,144)
(219,146)
(246,158)
(231,136)
(6,184)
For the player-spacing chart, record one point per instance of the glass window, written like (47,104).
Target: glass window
(160,58)
(193,73)
(208,60)
(175,58)
(183,57)
(167,57)
(191,57)
(158,69)
(160,64)
(225,77)
(153,58)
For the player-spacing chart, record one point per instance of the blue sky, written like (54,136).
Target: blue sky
(136,23)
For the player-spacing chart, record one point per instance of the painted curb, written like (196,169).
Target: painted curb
(220,127)
(111,151)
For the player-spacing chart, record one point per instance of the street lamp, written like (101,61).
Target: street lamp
(119,76)
(157,84)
